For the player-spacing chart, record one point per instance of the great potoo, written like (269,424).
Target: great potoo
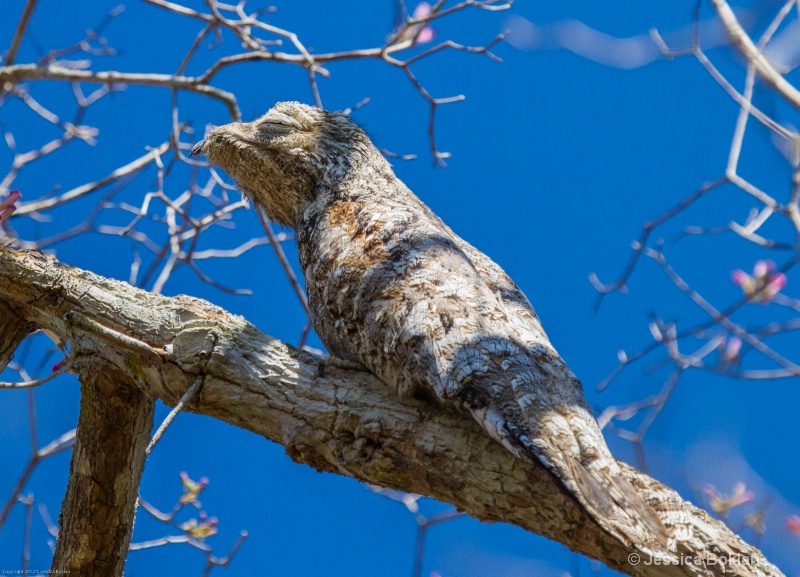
(392,288)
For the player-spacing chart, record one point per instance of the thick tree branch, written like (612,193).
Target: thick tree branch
(346,422)
(13,330)
(96,520)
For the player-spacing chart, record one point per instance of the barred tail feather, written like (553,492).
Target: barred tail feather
(612,501)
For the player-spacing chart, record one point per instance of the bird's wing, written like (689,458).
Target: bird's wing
(424,310)
(523,393)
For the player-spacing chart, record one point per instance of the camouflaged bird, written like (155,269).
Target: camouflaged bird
(392,288)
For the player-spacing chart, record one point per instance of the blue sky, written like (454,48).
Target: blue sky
(557,162)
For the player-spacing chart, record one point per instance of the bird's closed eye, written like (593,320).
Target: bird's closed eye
(277,123)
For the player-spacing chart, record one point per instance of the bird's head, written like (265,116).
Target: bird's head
(285,158)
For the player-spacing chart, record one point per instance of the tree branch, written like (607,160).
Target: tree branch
(347,422)
(13,330)
(20,72)
(753,55)
(22,27)
(96,520)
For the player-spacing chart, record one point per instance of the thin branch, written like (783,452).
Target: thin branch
(20,72)
(741,40)
(187,396)
(59,445)
(83,190)
(287,268)
(641,243)
(22,27)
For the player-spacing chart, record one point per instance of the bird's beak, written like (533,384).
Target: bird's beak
(199,148)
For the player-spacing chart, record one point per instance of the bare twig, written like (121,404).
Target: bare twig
(187,396)
(741,40)
(22,27)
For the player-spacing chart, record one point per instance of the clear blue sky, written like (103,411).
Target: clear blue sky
(557,162)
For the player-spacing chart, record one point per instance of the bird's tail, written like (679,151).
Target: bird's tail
(540,413)
(598,486)
(529,400)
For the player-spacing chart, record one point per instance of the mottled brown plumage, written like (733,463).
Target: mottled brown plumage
(392,288)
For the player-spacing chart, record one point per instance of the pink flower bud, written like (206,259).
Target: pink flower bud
(763,268)
(778,282)
(428,34)
(739,277)
(7,206)
(744,280)
(423,10)
(793,525)
(732,348)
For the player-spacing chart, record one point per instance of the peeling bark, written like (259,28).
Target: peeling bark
(347,422)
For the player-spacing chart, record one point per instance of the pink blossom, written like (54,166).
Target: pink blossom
(8,206)
(793,525)
(756,522)
(423,10)
(205,527)
(192,489)
(62,365)
(764,284)
(744,280)
(730,350)
(775,285)
(58,366)
(721,504)
(417,33)
(427,34)
(763,269)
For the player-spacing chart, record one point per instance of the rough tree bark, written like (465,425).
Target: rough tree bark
(347,422)
(13,330)
(96,520)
